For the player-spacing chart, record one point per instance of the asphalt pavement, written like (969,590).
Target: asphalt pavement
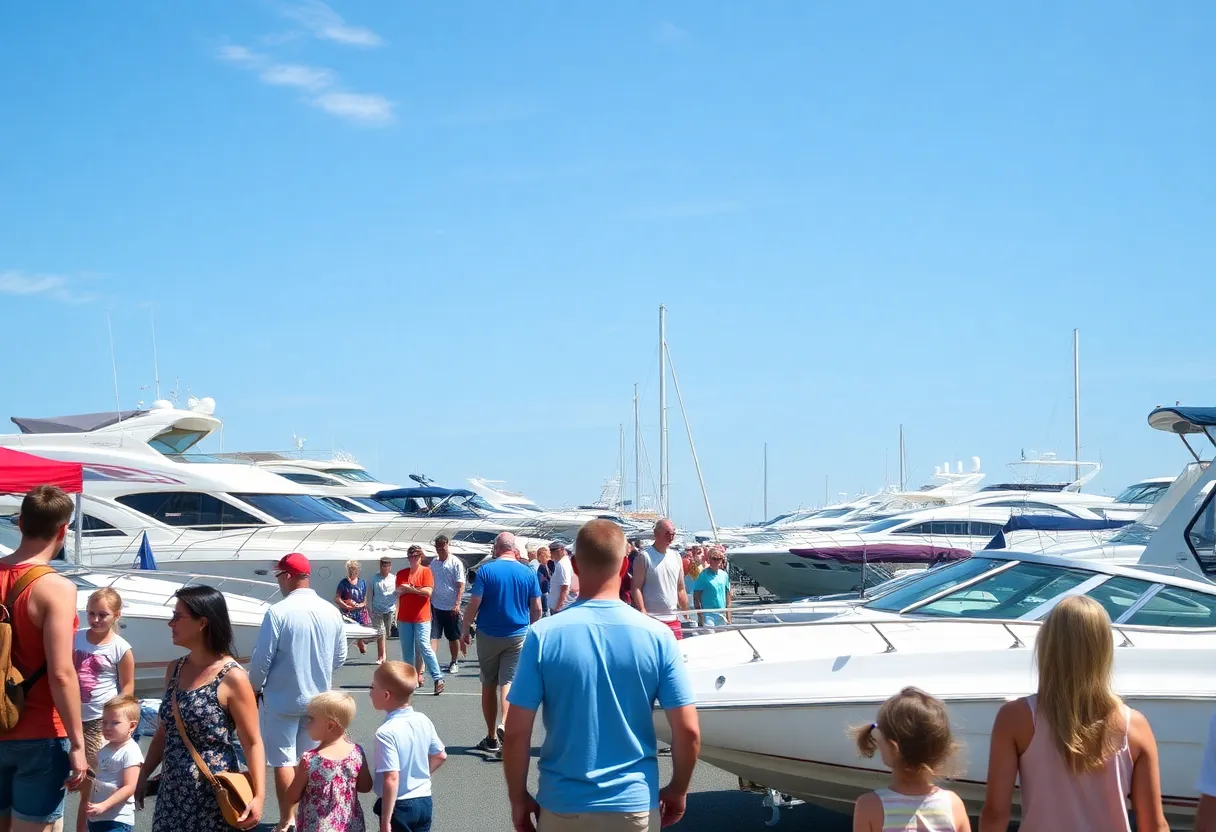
(470,793)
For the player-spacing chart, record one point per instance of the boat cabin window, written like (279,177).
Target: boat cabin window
(294,508)
(1008,594)
(91,526)
(956,528)
(189,508)
(353,474)
(373,505)
(979,529)
(1201,535)
(933,581)
(339,504)
(1029,507)
(1118,595)
(1149,492)
(882,525)
(1176,607)
(309,479)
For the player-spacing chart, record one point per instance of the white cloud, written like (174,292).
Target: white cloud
(360,107)
(53,286)
(327,24)
(297,75)
(240,56)
(669,33)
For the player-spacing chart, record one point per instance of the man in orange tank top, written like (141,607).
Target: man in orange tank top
(43,756)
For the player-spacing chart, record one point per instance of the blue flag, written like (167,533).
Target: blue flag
(146,559)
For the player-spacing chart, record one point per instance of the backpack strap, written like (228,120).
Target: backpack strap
(14,592)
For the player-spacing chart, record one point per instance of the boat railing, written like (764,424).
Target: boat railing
(263,591)
(1124,632)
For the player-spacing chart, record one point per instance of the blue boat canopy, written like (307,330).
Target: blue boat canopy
(1050,523)
(429,491)
(1183,419)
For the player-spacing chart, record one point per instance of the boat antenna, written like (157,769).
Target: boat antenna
(155,359)
(765,480)
(692,445)
(903,479)
(1076,402)
(114,368)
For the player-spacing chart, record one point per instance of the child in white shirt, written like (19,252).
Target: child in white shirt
(407,752)
(111,807)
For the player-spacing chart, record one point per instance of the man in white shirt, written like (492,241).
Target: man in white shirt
(301,643)
(561,585)
(658,579)
(449,576)
(384,606)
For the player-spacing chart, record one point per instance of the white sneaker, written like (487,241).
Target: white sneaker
(454,667)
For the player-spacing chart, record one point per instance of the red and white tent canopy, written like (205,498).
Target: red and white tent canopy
(19,472)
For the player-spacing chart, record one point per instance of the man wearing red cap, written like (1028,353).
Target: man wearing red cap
(301,643)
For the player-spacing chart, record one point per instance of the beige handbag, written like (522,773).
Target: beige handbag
(233,790)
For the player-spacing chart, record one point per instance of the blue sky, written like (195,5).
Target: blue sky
(437,235)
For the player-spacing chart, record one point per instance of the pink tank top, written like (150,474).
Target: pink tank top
(1054,798)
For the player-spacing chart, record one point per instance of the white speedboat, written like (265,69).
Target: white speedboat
(775,701)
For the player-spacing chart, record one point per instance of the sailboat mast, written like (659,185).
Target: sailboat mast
(155,358)
(620,468)
(903,482)
(765,480)
(663,470)
(637,454)
(1076,402)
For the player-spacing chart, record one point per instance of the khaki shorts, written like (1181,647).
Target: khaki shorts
(498,658)
(383,622)
(93,741)
(599,822)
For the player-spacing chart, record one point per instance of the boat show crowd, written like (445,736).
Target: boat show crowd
(585,632)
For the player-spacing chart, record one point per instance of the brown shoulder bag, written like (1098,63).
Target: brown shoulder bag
(233,789)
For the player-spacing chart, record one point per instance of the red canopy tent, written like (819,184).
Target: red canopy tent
(20,472)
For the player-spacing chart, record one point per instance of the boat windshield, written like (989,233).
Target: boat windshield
(294,508)
(934,581)
(1007,594)
(1148,492)
(373,505)
(881,525)
(1136,534)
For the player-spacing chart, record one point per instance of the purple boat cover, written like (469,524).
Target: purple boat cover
(884,553)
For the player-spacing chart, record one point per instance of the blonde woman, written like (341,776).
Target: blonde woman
(351,598)
(1079,754)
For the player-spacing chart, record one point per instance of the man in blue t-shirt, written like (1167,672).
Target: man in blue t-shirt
(506,599)
(599,667)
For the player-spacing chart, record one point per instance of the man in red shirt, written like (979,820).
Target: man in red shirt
(414,588)
(43,756)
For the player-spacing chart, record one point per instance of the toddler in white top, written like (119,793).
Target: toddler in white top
(105,667)
(111,807)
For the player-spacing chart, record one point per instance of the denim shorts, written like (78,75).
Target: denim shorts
(32,775)
(109,826)
(410,815)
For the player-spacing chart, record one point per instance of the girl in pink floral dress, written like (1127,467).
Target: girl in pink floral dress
(329,778)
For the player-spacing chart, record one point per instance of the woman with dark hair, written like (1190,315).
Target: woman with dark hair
(216,701)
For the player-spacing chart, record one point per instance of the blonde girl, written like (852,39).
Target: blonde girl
(912,736)
(329,778)
(1079,752)
(105,668)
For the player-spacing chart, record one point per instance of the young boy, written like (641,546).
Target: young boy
(112,806)
(408,752)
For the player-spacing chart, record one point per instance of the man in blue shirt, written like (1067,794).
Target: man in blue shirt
(598,668)
(506,599)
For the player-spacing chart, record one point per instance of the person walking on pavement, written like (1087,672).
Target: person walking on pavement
(42,757)
(561,584)
(712,591)
(658,579)
(384,607)
(505,602)
(414,588)
(599,766)
(448,573)
(301,643)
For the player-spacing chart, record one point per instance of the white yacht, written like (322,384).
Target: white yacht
(846,560)
(775,701)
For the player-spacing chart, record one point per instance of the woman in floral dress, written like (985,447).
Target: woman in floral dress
(217,706)
(351,598)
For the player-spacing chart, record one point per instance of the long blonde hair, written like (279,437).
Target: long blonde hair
(1075,654)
